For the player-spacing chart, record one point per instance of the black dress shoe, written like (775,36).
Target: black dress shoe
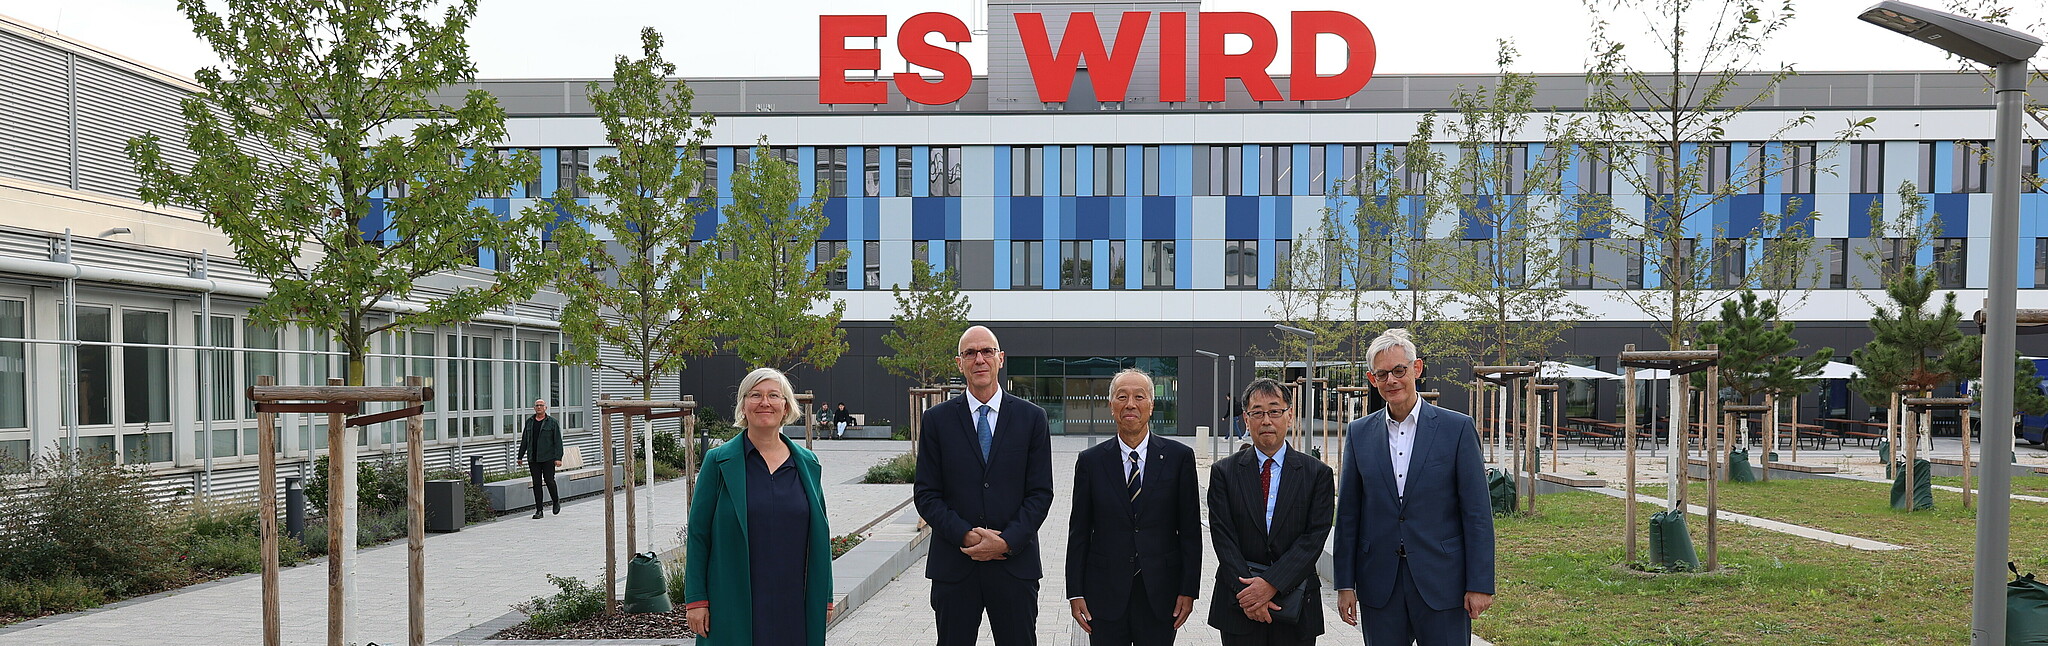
(536,513)
(558,509)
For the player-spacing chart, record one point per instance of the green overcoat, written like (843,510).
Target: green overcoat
(716,559)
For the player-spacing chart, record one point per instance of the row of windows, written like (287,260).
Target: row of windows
(125,381)
(1222,170)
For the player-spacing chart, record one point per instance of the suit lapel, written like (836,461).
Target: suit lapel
(733,471)
(1248,464)
(974,431)
(1426,433)
(1292,482)
(1375,455)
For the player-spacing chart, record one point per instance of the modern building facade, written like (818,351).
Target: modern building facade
(1090,235)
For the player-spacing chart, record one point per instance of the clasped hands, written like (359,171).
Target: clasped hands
(984,544)
(1256,599)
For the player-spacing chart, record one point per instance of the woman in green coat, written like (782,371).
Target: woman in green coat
(758,566)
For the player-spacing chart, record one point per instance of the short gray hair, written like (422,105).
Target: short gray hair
(1132,372)
(790,412)
(1392,338)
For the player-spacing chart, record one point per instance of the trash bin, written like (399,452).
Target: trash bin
(446,511)
(646,584)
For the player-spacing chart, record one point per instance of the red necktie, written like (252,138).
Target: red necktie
(1266,483)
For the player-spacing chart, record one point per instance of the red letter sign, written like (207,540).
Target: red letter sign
(834,59)
(1249,67)
(1054,71)
(955,74)
(1173,56)
(1303,84)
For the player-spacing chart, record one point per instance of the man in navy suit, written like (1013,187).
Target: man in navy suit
(1269,509)
(984,484)
(1134,547)
(1414,524)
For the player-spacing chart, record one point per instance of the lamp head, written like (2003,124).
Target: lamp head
(1983,42)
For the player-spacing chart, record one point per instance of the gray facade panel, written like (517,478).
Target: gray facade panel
(35,112)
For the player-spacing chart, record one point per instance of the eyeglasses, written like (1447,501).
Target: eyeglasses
(1266,414)
(1397,372)
(757,397)
(988,354)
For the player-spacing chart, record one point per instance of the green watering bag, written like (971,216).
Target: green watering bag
(1923,491)
(646,587)
(1670,543)
(1884,452)
(1738,466)
(1501,488)
(2026,610)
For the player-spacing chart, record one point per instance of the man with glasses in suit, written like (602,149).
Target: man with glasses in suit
(984,485)
(1269,513)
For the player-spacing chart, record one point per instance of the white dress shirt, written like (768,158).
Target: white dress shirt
(995,411)
(1401,445)
(1123,458)
(1279,459)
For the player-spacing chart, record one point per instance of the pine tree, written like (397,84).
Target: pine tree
(1755,347)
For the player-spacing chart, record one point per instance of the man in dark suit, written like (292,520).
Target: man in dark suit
(1414,524)
(1271,507)
(984,484)
(1134,547)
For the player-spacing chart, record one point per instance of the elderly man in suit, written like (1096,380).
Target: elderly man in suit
(1134,547)
(1414,524)
(1269,513)
(984,485)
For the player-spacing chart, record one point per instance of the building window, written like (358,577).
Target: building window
(13,366)
(1077,264)
(1068,167)
(573,164)
(1318,163)
(1109,170)
(1949,257)
(1594,174)
(945,171)
(1240,264)
(531,187)
(95,366)
(1027,171)
(1027,264)
(1218,170)
(1926,175)
(1720,166)
(871,261)
(1158,268)
(1866,167)
(871,171)
(904,170)
(829,172)
(1664,167)
(255,364)
(2040,278)
(1276,170)
(1972,167)
(146,372)
(144,448)
(1894,255)
(827,250)
(1781,269)
(707,182)
(1116,264)
(1576,272)
(1799,167)
(1837,250)
(1151,169)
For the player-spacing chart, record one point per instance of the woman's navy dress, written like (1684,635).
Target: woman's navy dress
(778,528)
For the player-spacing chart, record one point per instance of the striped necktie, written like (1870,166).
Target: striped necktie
(1133,484)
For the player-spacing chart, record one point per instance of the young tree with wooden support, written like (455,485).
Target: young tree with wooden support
(1510,379)
(1678,363)
(337,401)
(627,409)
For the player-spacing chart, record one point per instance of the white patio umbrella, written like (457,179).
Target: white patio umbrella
(1836,370)
(1647,374)
(1561,370)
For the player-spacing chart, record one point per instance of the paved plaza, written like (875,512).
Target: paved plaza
(473,576)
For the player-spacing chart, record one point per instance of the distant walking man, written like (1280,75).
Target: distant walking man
(984,485)
(1269,513)
(1134,546)
(1414,524)
(541,441)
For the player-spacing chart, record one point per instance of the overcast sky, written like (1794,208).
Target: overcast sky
(719,38)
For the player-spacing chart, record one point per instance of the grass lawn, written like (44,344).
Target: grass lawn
(1863,509)
(1559,583)
(2023,485)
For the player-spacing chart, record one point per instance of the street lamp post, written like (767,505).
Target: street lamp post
(2006,50)
(1308,384)
(1215,395)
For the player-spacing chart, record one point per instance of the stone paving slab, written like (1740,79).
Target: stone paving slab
(473,576)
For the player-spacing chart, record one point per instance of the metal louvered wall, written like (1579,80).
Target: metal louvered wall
(35,142)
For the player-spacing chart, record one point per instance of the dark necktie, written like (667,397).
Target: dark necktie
(1266,491)
(988,435)
(1133,484)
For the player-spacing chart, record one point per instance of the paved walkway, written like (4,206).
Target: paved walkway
(473,576)
(1801,531)
(902,613)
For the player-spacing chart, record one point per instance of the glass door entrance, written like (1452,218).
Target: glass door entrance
(1087,406)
